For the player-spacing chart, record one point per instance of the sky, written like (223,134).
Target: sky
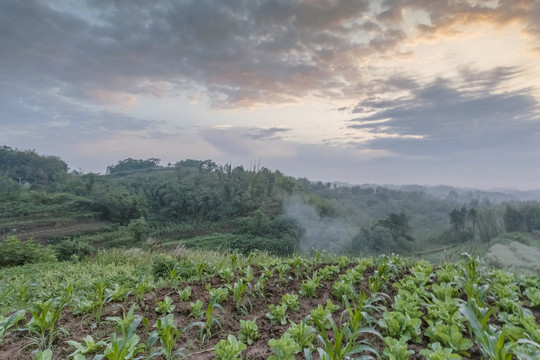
(359,91)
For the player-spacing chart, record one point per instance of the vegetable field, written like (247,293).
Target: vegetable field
(201,305)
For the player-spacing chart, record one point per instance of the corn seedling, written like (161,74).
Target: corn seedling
(43,322)
(237,291)
(205,328)
(167,332)
(10,322)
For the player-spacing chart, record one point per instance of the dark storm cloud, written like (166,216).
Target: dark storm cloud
(468,113)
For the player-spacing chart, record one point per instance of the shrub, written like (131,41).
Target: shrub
(14,252)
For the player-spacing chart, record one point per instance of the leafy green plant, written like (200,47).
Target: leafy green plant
(283,349)
(277,314)
(303,334)
(168,333)
(226,274)
(449,336)
(396,349)
(90,346)
(143,287)
(321,315)
(290,301)
(218,295)
(165,306)
(118,292)
(343,288)
(196,309)
(534,296)
(249,331)
(399,326)
(259,286)
(229,349)
(184,294)
(328,271)
(309,286)
(437,352)
(43,354)
(10,322)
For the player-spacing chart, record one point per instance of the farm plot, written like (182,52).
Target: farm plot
(257,307)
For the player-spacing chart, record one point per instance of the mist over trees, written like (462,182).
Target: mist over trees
(202,204)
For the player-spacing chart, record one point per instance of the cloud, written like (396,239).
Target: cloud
(241,52)
(473,113)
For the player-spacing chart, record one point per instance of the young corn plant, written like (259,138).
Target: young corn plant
(249,331)
(165,306)
(100,299)
(184,294)
(117,293)
(10,322)
(127,347)
(124,323)
(238,290)
(43,322)
(229,349)
(167,332)
(205,328)
(142,288)
(343,343)
(493,342)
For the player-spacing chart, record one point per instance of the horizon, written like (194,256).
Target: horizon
(384,92)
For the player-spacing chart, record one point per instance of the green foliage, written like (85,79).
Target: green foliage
(10,322)
(196,309)
(284,348)
(303,334)
(42,325)
(90,346)
(165,306)
(309,286)
(218,295)
(14,252)
(437,352)
(249,331)
(229,349)
(184,294)
(400,326)
(168,333)
(290,301)
(396,349)
(277,314)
